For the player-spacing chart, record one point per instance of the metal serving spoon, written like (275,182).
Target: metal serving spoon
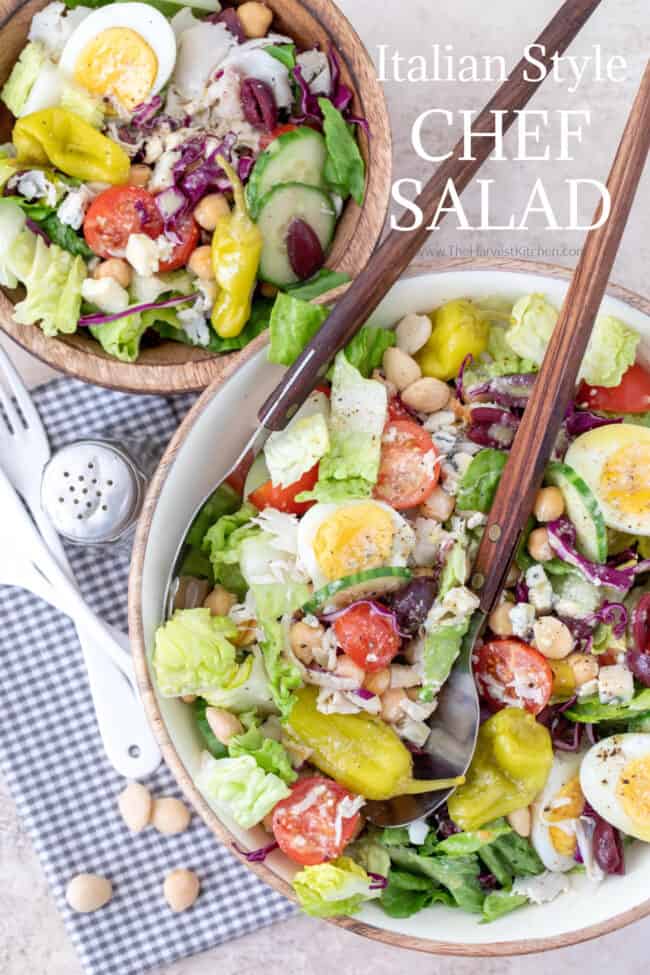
(455,723)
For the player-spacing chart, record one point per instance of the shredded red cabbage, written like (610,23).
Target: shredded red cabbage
(580,421)
(607,844)
(522,592)
(364,694)
(443,824)
(379,882)
(614,615)
(340,95)
(256,856)
(245,167)
(307,111)
(308,108)
(101,319)
(566,735)
(562,538)
(230,18)
(37,229)
(145,112)
(510,391)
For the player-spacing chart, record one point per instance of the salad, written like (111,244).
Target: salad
(315,623)
(168,175)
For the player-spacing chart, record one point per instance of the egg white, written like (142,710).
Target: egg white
(565,767)
(144,20)
(402,545)
(600,772)
(588,455)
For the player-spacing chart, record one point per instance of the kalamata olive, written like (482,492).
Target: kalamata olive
(641,623)
(411,604)
(304,249)
(608,851)
(639,664)
(258,104)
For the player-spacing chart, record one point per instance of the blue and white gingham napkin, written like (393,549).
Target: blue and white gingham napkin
(52,758)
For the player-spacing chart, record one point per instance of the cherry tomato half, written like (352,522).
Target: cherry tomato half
(408,470)
(267,137)
(305,823)
(187,229)
(115,214)
(632,395)
(512,674)
(366,636)
(267,495)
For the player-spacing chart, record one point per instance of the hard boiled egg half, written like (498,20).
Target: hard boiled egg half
(615,462)
(124,52)
(556,812)
(338,540)
(615,779)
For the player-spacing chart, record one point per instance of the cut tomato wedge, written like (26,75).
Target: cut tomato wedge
(512,674)
(115,214)
(187,230)
(308,825)
(632,395)
(367,636)
(408,470)
(268,495)
(266,138)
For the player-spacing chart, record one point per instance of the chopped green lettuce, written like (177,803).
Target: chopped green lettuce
(269,754)
(345,171)
(23,75)
(82,103)
(458,874)
(454,572)
(248,691)
(479,483)
(319,284)
(610,353)
(357,419)
(590,710)
(366,350)
(501,902)
(284,53)
(193,653)
(331,889)
(223,542)
(442,646)
(407,893)
(121,338)
(224,501)
(240,788)
(53,286)
(283,676)
(274,600)
(292,326)
(291,452)
(460,844)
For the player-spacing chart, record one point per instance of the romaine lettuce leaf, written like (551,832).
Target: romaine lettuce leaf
(479,483)
(193,653)
(441,648)
(458,874)
(223,542)
(291,452)
(366,350)
(345,171)
(407,893)
(23,75)
(534,320)
(357,419)
(321,282)
(121,338)
(292,326)
(283,676)
(273,600)
(500,902)
(460,844)
(240,788)
(82,103)
(331,889)
(53,289)
(248,691)
(269,754)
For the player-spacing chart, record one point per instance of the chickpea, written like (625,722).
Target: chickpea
(219,601)
(552,638)
(170,816)
(439,505)
(549,504)
(139,175)
(209,211)
(255,18)
(87,892)
(377,681)
(181,888)
(304,639)
(188,698)
(539,545)
(135,805)
(114,268)
(584,666)
(223,724)
(520,820)
(391,704)
(499,621)
(346,667)
(200,262)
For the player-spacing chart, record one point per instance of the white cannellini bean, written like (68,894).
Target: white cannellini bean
(520,820)
(181,888)
(87,892)
(135,805)
(405,676)
(552,638)
(427,395)
(400,369)
(223,724)
(413,332)
(170,816)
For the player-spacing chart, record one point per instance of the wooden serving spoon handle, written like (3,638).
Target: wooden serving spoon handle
(556,383)
(401,245)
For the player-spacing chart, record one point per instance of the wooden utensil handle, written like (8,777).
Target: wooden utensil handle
(556,383)
(401,245)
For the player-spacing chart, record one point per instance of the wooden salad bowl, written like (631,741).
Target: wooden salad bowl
(185,476)
(170,367)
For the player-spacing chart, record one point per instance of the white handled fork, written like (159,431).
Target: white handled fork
(24,451)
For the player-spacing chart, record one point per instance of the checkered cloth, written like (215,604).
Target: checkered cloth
(52,757)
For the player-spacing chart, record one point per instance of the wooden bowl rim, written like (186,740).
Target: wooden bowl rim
(82,360)
(173,760)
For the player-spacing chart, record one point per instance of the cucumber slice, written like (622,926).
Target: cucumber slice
(295,157)
(371,584)
(279,207)
(583,510)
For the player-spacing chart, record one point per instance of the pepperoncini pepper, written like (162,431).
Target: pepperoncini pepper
(459,330)
(236,249)
(58,137)
(510,766)
(564,681)
(363,754)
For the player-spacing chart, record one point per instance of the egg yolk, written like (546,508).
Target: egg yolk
(353,540)
(567,804)
(633,792)
(624,480)
(118,63)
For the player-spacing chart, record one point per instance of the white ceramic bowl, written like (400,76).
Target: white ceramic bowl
(187,474)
